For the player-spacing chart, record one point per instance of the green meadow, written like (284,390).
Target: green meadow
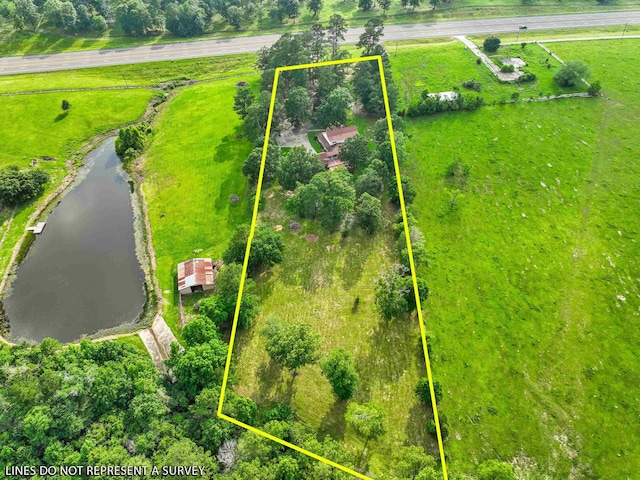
(141,74)
(191,169)
(527,271)
(533,264)
(318,283)
(444,67)
(533,274)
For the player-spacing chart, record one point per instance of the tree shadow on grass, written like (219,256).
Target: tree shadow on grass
(416,429)
(333,423)
(391,353)
(355,260)
(62,116)
(229,148)
(273,388)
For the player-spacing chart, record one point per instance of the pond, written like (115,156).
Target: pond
(82,274)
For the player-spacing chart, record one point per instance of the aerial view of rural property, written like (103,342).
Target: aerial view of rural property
(320,239)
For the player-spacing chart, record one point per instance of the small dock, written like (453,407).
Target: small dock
(38,228)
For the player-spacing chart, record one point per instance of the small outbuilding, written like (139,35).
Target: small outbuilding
(197,275)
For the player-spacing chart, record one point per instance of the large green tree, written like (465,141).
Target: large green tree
(243,98)
(369,41)
(368,213)
(369,182)
(412,463)
(335,33)
(355,151)
(330,196)
(333,109)
(292,346)
(368,421)
(298,166)
(186,19)
(571,74)
(266,248)
(339,368)
(298,106)
(251,166)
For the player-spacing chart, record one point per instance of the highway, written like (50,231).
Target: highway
(227,46)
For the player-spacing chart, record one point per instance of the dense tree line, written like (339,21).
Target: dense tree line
(430,104)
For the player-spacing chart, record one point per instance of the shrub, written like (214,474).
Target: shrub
(478,61)
(571,73)
(423,391)
(491,43)
(507,69)
(594,88)
(526,77)
(472,84)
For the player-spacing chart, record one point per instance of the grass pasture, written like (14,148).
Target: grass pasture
(192,167)
(533,277)
(443,67)
(317,284)
(141,74)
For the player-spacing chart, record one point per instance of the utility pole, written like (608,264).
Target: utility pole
(123,78)
(625,28)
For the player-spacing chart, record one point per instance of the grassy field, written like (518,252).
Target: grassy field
(135,341)
(567,33)
(192,167)
(33,126)
(50,40)
(443,67)
(317,284)
(533,276)
(141,74)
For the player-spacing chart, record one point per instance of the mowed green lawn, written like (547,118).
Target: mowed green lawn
(32,126)
(534,277)
(192,167)
(317,283)
(141,74)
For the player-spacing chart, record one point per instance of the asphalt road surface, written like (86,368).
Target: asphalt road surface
(227,46)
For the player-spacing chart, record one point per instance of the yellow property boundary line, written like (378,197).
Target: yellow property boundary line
(254,218)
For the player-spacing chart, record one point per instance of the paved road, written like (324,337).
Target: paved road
(207,48)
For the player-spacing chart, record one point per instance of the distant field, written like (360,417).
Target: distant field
(140,74)
(533,275)
(33,126)
(443,67)
(566,33)
(192,167)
